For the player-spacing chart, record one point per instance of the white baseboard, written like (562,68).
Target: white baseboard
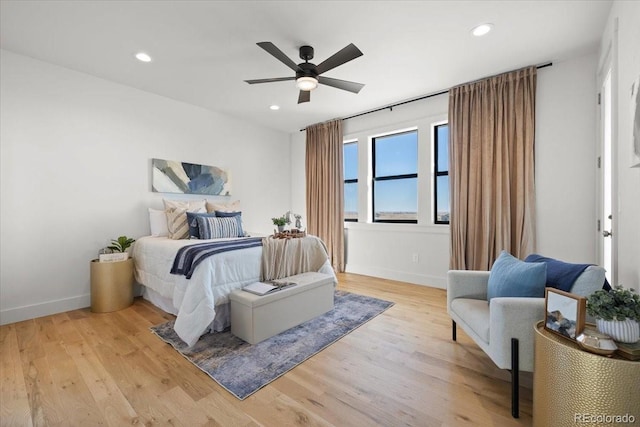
(402,276)
(18,314)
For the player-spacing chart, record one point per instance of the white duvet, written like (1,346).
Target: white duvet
(212,281)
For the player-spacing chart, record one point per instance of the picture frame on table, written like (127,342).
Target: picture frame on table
(564,313)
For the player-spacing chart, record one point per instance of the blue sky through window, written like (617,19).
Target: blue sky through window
(396,155)
(442,181)
(350,162)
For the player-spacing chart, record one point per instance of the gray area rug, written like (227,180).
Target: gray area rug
(243,369)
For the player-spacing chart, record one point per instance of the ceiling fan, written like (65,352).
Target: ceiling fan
(307,74)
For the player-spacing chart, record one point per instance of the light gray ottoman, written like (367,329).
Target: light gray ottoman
(255,318)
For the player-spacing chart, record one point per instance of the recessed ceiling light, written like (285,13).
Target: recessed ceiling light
(481,30)
(141,56)
(274,107)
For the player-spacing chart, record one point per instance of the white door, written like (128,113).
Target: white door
(607,200)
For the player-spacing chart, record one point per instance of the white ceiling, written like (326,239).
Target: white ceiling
(203,50)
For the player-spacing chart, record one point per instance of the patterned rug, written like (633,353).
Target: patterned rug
(242,368)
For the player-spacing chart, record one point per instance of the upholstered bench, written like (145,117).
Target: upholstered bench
(255,318)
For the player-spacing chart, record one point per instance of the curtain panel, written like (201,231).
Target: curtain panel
(325,188)
(491,175)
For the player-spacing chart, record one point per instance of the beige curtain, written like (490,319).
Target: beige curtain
(491,171)
(325,188)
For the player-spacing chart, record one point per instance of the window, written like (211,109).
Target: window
(350,162)
(441,168)
(395,177)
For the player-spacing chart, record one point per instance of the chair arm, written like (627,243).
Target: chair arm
(513,318)
(466,284)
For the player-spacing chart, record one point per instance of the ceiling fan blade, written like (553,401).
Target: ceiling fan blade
(305,96)
(278,54)
(345,55)
(277,79)
(341,84)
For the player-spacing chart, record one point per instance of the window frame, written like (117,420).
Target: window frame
(374,179)
(437,173)
(350,181)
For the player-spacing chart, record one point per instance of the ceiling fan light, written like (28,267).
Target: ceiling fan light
(306,83)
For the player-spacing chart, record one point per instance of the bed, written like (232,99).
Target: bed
(201,303)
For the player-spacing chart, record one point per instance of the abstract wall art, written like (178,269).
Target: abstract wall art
(169,176)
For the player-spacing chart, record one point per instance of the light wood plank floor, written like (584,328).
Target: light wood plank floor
(400,369)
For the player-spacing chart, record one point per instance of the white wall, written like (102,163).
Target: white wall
(75,154)
(565,181)
(566,160)
(627,232)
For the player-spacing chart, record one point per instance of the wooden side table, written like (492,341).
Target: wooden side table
(111,285)
(572,387)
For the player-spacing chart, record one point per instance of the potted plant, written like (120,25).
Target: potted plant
(617,313)
(121,244)
(280,222)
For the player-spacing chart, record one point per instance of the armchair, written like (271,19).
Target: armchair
(504,327)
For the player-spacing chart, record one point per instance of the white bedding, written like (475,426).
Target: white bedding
(195,299)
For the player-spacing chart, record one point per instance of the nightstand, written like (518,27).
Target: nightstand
(111,285)
(573,387)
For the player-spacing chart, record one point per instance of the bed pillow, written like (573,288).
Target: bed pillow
(218,228)
(213,206)
(176,211)
(192,220)
(158,222)
(510,277)
(236,215)
(189,205)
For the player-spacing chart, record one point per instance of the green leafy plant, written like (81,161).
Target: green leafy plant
(279,220)
(616,304)
(121,244)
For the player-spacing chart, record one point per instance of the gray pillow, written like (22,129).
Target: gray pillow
(589,281)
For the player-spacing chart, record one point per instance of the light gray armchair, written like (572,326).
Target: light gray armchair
(504,328)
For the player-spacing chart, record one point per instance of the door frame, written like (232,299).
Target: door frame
(607,66)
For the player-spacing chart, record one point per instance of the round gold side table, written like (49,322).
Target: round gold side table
(572,387)
(111,285)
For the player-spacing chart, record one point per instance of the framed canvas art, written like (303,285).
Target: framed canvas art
(170,176)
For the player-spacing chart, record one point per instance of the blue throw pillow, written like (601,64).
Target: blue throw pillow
(235,214)
(218,228)
(192,220)
(562,275)
(510,277)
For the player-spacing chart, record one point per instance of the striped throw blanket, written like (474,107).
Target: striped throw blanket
(188,257)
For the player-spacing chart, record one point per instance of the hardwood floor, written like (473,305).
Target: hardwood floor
(400,369)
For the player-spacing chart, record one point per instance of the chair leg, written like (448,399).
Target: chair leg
(453,330)
(515,379)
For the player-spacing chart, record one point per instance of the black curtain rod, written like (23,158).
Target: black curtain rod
(431,95)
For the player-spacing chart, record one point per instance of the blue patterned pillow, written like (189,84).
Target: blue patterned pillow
(511,277)
(192,221)
(218,228)
(235,214)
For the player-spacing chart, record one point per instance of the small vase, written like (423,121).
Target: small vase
(280,228)
(627,331)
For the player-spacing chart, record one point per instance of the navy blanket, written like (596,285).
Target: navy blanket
(188,257)
(561,275)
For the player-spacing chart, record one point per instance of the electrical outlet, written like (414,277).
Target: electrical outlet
(414,257)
